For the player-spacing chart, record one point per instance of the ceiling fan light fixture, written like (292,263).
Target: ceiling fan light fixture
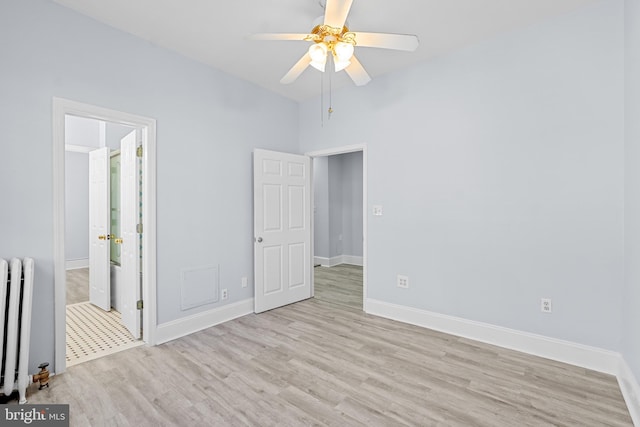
(343,51)
(338,64)
(320,66)
(318,52)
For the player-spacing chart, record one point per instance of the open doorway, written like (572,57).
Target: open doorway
(339,226)
(96,290)
(141,131)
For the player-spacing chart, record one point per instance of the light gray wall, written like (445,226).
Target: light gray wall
(335,207)
(321,207)
(208,125)
(500,171)
(76,206)
(631,331)
(81,131)
(114,133)
(351,203)
(338,208)
(86,133)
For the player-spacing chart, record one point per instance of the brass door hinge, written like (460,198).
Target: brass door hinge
(139,304)
(139,151)
(139,228)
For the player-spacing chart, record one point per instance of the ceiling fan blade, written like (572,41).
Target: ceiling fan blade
(335,12)
(357,72)
(278,36)
(296,70)
(407,42)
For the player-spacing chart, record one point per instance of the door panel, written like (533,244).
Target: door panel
(99,230)
(129,218)
(282,226)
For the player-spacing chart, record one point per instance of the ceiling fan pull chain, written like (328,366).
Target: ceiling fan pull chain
(321,99)
(330,97)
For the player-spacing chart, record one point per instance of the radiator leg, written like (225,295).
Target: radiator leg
(23,395)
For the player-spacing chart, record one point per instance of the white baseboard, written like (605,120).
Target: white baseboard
(593,358)
(181,327)
(630,390)
(352,259)
(337,260)
(576,354)
(74,264)
(323,261)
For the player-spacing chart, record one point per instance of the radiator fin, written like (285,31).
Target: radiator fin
(16,296)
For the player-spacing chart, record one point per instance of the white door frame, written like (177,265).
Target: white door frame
(332,152)
(62,107)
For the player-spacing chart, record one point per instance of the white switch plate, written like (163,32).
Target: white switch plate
(377,210)
(244,281)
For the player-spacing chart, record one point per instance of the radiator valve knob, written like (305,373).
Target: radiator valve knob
(42,376)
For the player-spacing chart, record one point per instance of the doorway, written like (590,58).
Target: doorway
(146,131)
(284,230)
(340,225)
(95,294)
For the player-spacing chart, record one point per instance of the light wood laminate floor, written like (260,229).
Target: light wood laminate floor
(321,363)
(341,284)
(77,285)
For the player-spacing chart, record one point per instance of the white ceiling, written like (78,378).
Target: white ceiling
(214,32)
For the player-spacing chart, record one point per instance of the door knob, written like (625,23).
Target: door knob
(117,241)
(102,237)
(259,240)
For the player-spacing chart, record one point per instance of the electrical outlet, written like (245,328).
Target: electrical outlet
(377,210)
(545,305)
(244,281)
(403,281)
(225,294)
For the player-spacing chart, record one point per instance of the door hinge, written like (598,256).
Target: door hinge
(139,304)
(139,151)
(139,228)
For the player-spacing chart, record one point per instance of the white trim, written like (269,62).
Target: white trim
(365,209)
(78,148)
(352,260)
(337,260)
(188,325)
(320,260)
(597,359)
(576,354)
(337,150)
(74,264)
(62,107)
(630,390)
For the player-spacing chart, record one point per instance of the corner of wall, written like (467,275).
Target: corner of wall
(630,389)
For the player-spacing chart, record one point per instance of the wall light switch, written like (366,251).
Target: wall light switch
(377,210)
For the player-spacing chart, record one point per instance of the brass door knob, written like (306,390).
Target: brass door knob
(102,237)
(117,241)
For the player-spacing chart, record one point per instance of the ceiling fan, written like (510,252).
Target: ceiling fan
(332,40)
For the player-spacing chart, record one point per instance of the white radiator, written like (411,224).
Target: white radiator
(16,294)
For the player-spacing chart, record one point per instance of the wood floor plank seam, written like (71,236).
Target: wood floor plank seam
(324,362)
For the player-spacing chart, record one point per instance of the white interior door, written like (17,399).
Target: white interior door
(99,229)
(282,227)
(129,219)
